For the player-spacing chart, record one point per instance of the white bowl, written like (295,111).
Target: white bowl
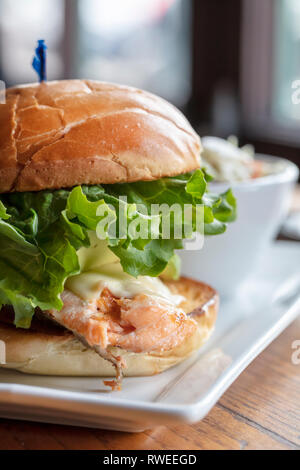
(227,261)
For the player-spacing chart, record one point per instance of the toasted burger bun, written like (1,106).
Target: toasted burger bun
(65,133)
(57,352)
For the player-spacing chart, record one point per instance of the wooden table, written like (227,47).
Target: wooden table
(261,410)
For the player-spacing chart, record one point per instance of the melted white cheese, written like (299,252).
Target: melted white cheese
(100,269)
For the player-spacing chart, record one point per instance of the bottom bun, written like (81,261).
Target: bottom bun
(60,353)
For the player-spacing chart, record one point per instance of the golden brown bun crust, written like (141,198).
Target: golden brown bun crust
(62,354)
(61,134)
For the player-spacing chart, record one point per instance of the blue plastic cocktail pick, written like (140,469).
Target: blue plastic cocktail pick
(39,60)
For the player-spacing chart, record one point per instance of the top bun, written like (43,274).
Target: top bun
(65,133)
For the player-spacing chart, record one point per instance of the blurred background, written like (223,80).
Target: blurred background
(229,65)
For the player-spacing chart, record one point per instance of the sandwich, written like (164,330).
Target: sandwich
(79,294)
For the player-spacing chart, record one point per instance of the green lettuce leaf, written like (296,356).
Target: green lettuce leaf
(40,233)
(172,271)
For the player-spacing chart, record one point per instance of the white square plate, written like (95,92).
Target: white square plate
(246,325)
